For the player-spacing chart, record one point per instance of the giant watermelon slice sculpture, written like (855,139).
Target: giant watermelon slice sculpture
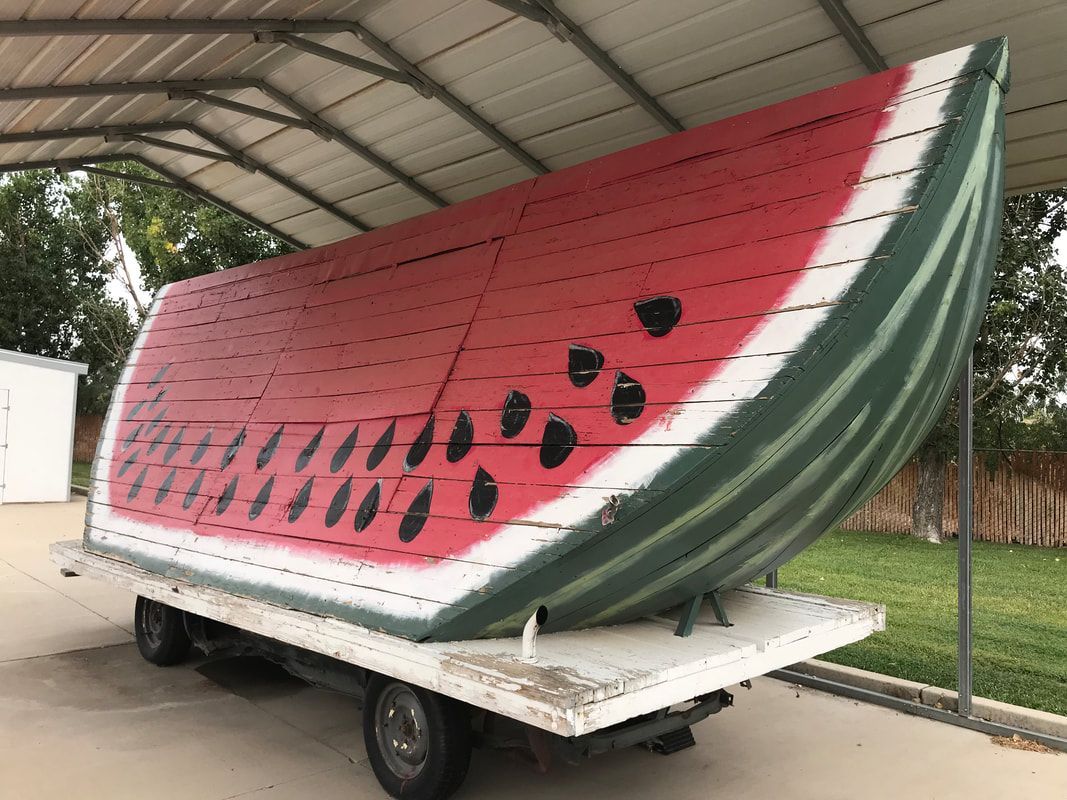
(608,390)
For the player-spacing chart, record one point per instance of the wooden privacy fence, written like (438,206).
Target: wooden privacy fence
(1020,497)
(86,433)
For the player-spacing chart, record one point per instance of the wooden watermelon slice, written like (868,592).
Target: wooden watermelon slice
(607,390)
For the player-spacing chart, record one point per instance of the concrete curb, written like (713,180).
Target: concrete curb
(82,490)
(1029,719)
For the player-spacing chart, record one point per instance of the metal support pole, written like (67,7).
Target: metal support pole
(965,674)
(772,579)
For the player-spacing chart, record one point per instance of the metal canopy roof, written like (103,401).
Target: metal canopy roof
(320,119)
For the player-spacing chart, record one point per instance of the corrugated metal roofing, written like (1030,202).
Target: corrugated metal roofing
(700,60)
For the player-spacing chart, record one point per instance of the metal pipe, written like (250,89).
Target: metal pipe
(965,487)
(529,634)
(918,709)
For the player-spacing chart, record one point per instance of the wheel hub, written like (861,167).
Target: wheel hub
(401,725)
(152,622)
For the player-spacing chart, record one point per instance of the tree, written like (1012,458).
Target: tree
(174,236)
(53,281)
(61,248)
(1019,368)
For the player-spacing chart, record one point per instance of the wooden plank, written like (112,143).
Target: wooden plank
(582,682)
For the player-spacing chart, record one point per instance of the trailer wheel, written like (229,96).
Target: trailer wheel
(160,632)
(418,742)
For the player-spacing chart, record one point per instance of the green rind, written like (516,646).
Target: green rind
(821,462)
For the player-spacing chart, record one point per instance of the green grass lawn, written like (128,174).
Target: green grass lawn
(1020,611)
(79,474)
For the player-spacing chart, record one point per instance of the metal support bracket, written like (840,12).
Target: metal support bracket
(719,609)
(689,616)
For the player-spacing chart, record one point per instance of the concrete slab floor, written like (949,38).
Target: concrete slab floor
(82,715)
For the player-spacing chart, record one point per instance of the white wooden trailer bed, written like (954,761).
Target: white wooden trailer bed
(582,681)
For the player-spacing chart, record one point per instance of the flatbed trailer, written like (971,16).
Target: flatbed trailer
(572,693)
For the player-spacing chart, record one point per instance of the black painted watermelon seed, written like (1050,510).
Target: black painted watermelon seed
(159,439)
(164,487)
(231,451)
(301,500)
(557,441)
(136,486)
(515,414)
(159,375)
(306,454)
(262,497)
(155,421)
(227,496)
(484,494)
(344,451)
(135,410)
(339,504)
(369,507)
(201,448)
(420,447)
(172,448)
(659,315)
(583,364)
(415,518)
(381,447)
(627,399)
(194,490)
(131,437)
(267,451)
(128,462)
(462,437)
(159,396)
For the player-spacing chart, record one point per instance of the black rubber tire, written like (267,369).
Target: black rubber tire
(160,632)
(448,744)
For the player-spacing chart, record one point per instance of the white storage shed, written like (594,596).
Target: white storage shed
(37,397)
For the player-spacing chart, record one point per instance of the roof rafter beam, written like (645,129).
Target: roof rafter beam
(191,188)
(138,27)
(853,33)
(449,100)
(113,131)
(196,88)
(244,108)
(341,57)
(563,27)
(172,182)
(129,177)
(346,141)
(188,150)
(65,164)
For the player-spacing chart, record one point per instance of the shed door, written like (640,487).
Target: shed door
(4,405)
